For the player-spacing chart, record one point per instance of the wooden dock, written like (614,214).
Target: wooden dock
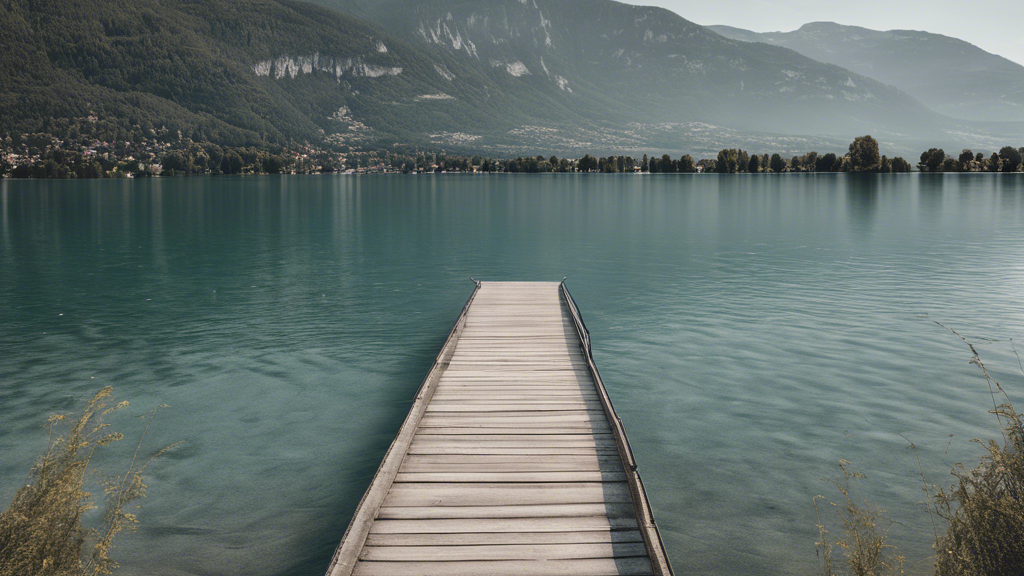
(511,461)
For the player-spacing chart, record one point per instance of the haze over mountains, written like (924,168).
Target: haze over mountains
(496,76)
(949,75)
(649,65)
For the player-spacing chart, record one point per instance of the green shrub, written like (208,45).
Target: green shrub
(41,533)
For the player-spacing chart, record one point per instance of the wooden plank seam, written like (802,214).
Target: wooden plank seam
(511,452)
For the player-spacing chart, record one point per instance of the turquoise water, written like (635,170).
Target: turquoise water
(752,331)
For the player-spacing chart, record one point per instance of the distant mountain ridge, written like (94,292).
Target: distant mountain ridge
(949,75)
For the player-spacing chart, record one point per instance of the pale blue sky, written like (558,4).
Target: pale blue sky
(995,26)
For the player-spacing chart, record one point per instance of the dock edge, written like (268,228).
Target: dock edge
(347,553)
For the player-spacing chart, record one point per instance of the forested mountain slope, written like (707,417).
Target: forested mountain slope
(238,72)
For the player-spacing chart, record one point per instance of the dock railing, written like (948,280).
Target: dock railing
(641,507)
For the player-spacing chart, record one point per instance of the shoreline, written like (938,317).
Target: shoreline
(50,157)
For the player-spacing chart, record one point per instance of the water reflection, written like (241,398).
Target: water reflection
(862,200)
(930,194)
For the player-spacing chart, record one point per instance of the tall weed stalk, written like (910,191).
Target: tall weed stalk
(863,540)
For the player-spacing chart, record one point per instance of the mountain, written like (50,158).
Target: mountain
(187,65)
(502,77)
(950,76)
(241,72)
(652,66)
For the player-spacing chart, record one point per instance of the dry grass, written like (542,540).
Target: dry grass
(985,507)
(41,533)
(862,540)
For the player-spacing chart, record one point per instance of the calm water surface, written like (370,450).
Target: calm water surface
(751,330)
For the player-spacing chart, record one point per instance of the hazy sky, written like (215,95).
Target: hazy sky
(995,26)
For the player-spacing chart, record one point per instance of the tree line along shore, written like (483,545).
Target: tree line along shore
(91,151)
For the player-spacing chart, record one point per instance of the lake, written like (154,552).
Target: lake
(752,331)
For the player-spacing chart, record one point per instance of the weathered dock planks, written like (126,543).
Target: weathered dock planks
(511,461)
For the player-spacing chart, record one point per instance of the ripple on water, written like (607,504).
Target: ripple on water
(751,331)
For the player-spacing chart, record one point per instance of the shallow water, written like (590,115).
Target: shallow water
(752,331)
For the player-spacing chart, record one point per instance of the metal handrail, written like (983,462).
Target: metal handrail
(588,353)
(641,505)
